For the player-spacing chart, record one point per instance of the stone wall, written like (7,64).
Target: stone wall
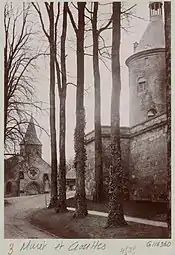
(144,159)
(147,84)
(90,169)
(148,154)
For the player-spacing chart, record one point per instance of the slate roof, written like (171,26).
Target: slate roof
(31,135)
(153,36)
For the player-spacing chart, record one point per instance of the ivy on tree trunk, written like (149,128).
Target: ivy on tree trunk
(79,136)
(115,213)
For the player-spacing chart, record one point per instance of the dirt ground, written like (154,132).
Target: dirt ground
(65,226)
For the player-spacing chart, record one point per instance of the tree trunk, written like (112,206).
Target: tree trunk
(167,10)
(6,69)
(98,196)
(115,213)
(61,205)
(54,189)
(80,152)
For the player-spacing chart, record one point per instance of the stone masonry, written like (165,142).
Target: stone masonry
(90,149)
(143,144)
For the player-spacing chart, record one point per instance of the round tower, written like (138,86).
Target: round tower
(147,70)
(31,145)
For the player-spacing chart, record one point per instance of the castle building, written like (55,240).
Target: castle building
(27,173)
(143,144)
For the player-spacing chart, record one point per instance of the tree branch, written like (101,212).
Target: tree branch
(72,20)
(105,27)
(41,20)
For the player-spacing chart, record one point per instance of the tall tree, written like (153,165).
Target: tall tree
(62,89)
(115,214)
(167,11)
(19,68)
(52,47)
(80,152)
(98,196)
(100,53)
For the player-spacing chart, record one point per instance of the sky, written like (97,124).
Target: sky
(135,32)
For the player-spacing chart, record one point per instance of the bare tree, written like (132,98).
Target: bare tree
(115,214)
(80,152)
(98,196)
(100,53)
(62,88)
(167,11)
(19,66)
(51,39)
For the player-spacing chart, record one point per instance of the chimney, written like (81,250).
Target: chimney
(155,10)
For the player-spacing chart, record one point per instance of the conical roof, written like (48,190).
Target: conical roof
(153,36)
(31,135)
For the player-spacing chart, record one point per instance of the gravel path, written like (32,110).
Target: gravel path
(16,224)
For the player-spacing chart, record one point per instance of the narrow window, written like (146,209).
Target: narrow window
(146,61)
(21,175)
(141,85)
(45,177)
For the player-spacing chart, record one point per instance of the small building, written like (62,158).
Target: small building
(70,180)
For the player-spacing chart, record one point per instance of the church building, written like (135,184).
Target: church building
(143,143)
(27,173)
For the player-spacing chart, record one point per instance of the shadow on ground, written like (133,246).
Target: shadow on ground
(140,209)
(64,225)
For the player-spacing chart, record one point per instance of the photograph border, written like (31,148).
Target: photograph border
(112,246)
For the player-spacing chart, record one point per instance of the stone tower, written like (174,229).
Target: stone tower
(147,70)
(147,159)
(31,145)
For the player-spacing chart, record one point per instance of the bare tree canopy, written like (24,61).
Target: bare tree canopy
(19,66)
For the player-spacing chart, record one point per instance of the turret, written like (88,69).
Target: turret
(31,145)
(147,70)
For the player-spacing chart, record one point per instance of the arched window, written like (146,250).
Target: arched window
(46,183)
(141,85)
(45,177)
(21,175)
(9,188)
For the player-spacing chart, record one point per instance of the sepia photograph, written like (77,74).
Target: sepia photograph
(87,120)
